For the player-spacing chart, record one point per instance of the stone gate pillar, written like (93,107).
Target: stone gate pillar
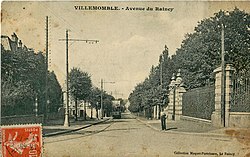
(171,97)
(180,90)
(216,115)
(175,97)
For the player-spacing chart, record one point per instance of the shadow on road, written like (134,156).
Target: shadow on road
(171,128)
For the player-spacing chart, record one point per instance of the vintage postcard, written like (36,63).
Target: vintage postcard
(125,78)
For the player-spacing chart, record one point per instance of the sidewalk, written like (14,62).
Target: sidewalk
(56,127)
(191,128)
(183,126)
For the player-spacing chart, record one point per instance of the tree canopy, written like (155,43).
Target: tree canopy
(200,52)
(23,79)
(197,57)
(79,84)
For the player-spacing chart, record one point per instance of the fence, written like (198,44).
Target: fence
(199,102)
(240,98)
(21,119)
(207,102)
(30,119)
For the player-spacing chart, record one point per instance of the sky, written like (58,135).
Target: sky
(130,42)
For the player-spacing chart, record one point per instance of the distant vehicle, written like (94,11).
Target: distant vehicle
(116,109)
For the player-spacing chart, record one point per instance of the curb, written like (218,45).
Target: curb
(72,130)
(150,126)
(185,133)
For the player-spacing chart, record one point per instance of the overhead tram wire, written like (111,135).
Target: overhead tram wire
(67,23)
(66,122)
(62,19)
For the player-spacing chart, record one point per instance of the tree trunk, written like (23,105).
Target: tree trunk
(91,114)
(96,109)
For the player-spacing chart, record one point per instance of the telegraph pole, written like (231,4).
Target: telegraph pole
(223,81)
(161,59)
(102,82)
(161,80)
(101,99)
(159,112)
(46,73)
(66,121)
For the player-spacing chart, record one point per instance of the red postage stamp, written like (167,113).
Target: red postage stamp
(21,140)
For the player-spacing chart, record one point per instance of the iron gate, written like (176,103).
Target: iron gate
(240,97)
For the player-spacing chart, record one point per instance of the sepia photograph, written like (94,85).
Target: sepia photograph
(125,78)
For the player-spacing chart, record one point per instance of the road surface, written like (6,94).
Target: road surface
(127,137)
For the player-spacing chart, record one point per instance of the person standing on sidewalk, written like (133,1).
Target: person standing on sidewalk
(163,121)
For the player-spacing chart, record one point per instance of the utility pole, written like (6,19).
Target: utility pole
(223,81)
(159,112)
(161,80)
(102,82)
(46,73)
(101,99)
(66,121)
(161,60)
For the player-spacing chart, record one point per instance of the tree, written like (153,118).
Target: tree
(200,52)
(95,100)
(22,79)
(54,93)
(198,56)
(149,93)
(79,86)
(107,103)
(16,98)
(137,97)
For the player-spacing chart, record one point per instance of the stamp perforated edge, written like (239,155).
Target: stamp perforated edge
(23,126)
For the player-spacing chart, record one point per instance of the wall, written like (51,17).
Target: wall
(239,119)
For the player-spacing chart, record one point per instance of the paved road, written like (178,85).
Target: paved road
(128,137)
